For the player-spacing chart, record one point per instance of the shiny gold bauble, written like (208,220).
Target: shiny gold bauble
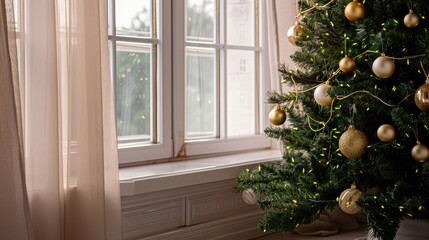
(249,196)
(347,64)
(421,97)
(420,153)
(354,11)
(386,133)
(294,33)
(277,116)
(353,143)
(411,20)
(383,67)
(321,95)
(348,199)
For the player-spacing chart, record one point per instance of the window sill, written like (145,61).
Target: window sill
(150,178)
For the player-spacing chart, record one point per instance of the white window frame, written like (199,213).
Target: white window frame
(171,116)
(222,144)
(163,148)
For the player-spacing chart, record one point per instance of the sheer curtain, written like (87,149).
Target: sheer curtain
(14,213)
(273,45)
(71,168)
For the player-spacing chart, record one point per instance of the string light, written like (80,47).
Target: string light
(315,6)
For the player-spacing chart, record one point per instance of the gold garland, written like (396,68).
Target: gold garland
(316,5)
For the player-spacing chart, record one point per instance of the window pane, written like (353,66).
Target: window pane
(200,93)
(241,22)
(240,93)
(200,20)
(133,18)
(16,14)
(133,94)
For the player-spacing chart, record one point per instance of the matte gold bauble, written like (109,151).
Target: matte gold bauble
(321,95)
(347,64)
(386,133)
(421,97)
(249,196)
(348,199)
(383,67)
(354,11)
(294,33)
(353,143)
(411,20)
(420,153)
(277,116)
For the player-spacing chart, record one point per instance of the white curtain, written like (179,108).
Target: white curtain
(71,165)
(14,213)
(272,32)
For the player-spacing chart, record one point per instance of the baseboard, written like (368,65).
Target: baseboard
(240,227)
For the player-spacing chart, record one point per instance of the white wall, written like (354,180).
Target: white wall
(286,12)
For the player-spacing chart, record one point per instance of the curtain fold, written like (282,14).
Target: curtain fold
(71,168)
(43,158)
(92,203)
(14,210)
(273,45)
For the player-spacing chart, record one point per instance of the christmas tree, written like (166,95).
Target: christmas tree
(358,119)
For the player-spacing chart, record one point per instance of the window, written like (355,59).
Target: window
(187,77)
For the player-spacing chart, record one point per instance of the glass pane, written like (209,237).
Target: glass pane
(16,14)
(133,18)
(240,93)
(200,20)
(200,93)
(240,22)
(133,94)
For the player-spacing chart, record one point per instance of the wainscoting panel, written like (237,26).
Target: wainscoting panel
(150,219)
(213,206)
(210,211)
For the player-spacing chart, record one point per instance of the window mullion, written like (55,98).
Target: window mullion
(113,50)
(178,82)
(154,75)
(137,40)
(222,65)
(257,70)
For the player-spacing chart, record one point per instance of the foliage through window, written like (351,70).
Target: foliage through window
(221,56)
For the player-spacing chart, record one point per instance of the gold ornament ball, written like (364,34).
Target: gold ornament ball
(420,153)
(421,97)
(353,143)
(347,64)
(277,116)
(294,33)
(321,95)
(348,198)
(386,133)
(354,11)
(383,67)
(411,20)
(249,196)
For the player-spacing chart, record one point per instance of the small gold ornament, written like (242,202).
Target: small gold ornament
(354,11)
(420,152)
(411,20)
(347,64)
(277,116)
(249,196)
(294,33)
(321,95)
(353,143)
(383,67)
(421,97)
(348,198)
(386,133)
